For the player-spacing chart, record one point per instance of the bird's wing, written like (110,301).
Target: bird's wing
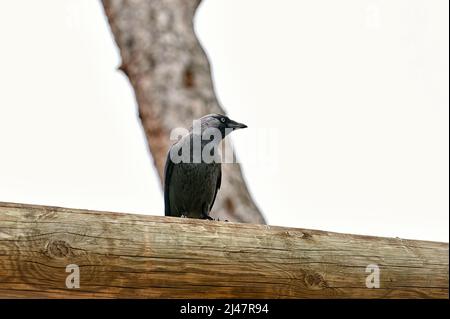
(167,174)
(219,182)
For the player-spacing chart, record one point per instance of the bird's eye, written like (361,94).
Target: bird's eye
(222,119)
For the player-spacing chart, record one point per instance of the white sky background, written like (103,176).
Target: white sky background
(354,93)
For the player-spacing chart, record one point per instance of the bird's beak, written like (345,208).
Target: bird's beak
(235,125)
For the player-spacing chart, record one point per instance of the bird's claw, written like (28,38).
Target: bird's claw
(207,217)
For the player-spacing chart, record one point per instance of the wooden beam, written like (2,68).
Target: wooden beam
(138,256)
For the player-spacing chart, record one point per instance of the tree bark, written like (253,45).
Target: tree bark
(138,256)
(171,77)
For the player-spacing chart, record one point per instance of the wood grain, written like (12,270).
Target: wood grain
(137,256)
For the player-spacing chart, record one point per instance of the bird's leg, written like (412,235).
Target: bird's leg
(205,212)
(205,216)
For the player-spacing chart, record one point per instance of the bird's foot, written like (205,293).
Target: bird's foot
(218,219)
(204,216)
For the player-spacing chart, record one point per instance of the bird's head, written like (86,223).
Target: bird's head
(220,122)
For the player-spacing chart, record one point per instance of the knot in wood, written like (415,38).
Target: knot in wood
(306,235)
(58,248)
(315,280)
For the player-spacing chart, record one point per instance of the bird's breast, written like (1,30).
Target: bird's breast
(193,185)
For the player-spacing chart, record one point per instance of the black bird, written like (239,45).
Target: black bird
(191,186)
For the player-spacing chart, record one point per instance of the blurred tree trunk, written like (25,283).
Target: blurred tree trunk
(171,78)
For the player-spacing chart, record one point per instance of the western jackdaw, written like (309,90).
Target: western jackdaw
(193,170)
